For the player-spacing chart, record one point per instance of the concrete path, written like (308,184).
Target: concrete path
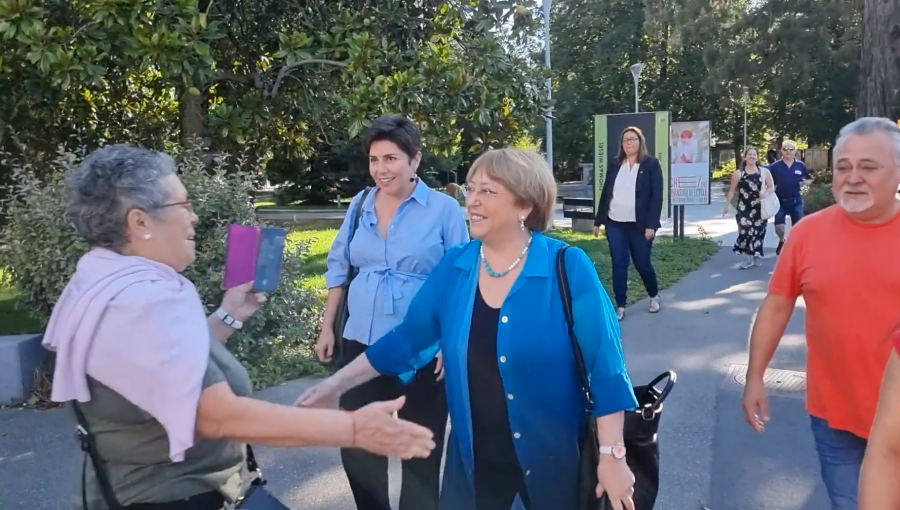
(710,458)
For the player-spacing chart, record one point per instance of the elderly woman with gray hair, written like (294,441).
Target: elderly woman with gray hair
(166,406)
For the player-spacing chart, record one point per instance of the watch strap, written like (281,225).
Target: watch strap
(617,451)
(228,319)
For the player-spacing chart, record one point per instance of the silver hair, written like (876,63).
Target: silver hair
(111,182)
(868,126)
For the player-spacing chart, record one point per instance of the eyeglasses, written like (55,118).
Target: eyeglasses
(788,149)
(469,192)
(631,140)
(186,204)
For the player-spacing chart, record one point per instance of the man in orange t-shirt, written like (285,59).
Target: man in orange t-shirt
(843,261)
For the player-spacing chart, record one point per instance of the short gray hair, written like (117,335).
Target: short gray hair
(111,182)
(868,126)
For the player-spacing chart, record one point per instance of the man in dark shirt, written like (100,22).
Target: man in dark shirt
(788,174)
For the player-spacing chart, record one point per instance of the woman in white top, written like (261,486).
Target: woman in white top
(630,208)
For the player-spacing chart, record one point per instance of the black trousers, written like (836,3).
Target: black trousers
(426,405)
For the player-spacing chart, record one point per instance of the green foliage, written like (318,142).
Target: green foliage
(14,319)
(798,59)
(725,171)
(816,197)
(43,250)
(295,80)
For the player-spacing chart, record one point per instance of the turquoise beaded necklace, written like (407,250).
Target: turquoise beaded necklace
(501,274)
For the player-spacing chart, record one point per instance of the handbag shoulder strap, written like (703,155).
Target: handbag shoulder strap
(357,215)
(566,295)
(253,467)
(83,432)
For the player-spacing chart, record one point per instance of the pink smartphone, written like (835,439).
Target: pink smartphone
(241,251)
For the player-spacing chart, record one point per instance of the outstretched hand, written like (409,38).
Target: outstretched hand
(324,394)
(378,430)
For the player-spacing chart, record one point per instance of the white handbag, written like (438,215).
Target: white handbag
(769,204)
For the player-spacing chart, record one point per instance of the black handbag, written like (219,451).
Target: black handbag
(255,498)
(342,313)
(641,425)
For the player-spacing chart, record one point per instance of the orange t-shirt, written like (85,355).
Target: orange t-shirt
(849,276)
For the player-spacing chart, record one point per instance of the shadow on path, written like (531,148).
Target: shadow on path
(709,455)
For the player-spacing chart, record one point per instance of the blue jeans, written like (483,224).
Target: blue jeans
(840,455)
(792,207)
(626,239)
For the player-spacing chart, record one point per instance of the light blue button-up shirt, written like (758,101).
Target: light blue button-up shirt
(546,406)
(392,269)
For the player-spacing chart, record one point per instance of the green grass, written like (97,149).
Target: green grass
(14,320)
(671,259)
(318,236)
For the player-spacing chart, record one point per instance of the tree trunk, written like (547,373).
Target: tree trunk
(879,91)
(192,120)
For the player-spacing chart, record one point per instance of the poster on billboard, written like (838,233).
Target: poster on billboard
(607,142)
(690,172)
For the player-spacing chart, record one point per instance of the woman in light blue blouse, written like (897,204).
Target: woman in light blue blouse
(405,229)
(493,308)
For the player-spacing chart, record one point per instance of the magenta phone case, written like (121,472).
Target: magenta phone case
(241,251)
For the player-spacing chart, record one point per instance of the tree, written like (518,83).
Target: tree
(300,78)
(798,59)
(879,90)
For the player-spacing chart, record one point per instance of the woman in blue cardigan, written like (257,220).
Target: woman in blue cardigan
(493,308)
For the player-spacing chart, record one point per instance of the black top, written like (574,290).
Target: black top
(648,194)
(491,435)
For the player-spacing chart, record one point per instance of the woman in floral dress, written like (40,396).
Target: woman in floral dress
(751,183)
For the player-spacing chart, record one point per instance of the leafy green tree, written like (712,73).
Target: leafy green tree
(306,75)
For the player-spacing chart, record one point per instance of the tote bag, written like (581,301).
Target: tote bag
(640,430)
(769,204)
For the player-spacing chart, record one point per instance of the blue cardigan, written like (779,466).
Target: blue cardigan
(546,407)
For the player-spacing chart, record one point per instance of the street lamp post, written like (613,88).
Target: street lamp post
(549,137)
(636,73)
(746,99)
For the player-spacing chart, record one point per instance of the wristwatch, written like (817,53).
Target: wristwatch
(617,451)
(228,319)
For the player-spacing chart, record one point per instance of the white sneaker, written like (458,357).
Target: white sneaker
(654,304)
(620,313)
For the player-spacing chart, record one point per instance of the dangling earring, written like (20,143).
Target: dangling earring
(522,223)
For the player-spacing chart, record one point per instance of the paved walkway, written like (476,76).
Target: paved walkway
(710,458)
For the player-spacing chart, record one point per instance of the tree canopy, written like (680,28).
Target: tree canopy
(799,61)
(294,80)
